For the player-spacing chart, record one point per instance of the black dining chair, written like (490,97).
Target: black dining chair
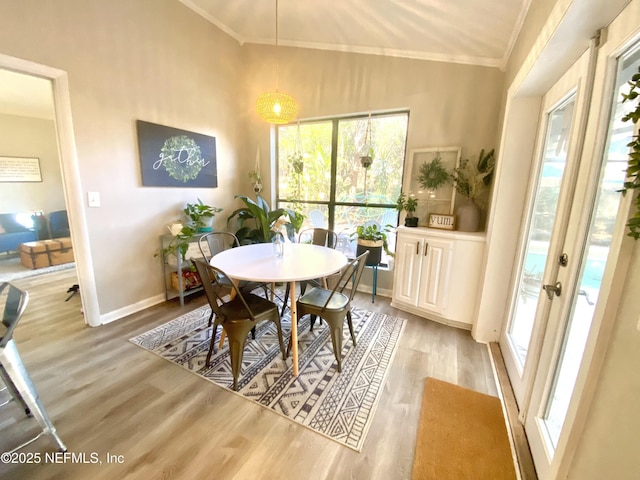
(334,305)
(12,370)
(237,316)
(314,236)
(216,242)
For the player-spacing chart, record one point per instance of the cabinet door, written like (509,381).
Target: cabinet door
(407,269)
(435,258)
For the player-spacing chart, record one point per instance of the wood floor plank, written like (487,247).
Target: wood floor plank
(106,395)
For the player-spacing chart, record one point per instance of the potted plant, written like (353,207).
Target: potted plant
(256,181)
(297,162)
(201,215)
(432,175)
(408,204)
(366,159)
(255,220)
(469,179)
(371,238)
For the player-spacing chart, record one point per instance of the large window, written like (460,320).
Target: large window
(320,173)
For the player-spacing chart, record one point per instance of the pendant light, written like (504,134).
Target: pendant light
(276,107)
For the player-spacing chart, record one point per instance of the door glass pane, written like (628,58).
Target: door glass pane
(538,237)
(595,253)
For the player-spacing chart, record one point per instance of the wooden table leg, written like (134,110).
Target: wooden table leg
(294,326)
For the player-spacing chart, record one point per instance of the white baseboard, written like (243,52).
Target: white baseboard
(130,309)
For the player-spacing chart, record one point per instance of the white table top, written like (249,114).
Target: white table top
(300,261)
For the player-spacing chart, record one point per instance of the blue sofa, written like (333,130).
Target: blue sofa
(13,231)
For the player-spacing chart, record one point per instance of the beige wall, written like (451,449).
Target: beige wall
(160,62)
(449,104)
(31,137)
(154,60)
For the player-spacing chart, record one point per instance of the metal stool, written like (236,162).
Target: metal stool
(12,369)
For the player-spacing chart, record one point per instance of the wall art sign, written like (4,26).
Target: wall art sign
(170,157)
(20,169)
(445,222)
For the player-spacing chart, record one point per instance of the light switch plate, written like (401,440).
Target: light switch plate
(93,199)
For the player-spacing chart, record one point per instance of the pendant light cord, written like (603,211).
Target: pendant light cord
(277,56)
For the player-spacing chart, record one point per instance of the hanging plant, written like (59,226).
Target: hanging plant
(633,163)
(433,175)
(296,163)
(366,159)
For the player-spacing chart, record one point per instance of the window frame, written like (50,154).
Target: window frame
(331,203)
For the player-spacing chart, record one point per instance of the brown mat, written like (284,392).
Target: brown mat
(462,435)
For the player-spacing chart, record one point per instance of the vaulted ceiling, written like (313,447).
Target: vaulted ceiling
(478,32)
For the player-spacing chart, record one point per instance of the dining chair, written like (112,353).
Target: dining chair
(334,305)
(216,242)
(237,316)
(12,370)
(315,236)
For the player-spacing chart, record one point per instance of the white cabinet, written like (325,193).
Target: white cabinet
(437,274)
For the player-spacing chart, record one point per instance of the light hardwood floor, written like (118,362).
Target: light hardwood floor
(108,396)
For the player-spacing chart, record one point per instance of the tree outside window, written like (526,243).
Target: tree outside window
(321,176)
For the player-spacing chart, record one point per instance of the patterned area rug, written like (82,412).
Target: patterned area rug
(337,405)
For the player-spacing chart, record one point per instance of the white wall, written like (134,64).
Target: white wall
(31,137)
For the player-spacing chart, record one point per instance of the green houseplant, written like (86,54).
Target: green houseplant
(374,239)
(408,204)
(200,217)
(255,220)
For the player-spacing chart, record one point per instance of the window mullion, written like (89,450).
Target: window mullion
(334,171)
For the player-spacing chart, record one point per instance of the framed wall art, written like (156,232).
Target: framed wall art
(428,167)
(20,169)
(170,157)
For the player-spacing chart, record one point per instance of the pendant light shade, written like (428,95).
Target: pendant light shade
(276,107)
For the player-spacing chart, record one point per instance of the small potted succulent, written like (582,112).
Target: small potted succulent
(408,204)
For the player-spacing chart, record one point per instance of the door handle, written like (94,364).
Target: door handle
(426,248)
(553,289)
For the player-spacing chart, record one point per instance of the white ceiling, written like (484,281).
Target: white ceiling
(25,95)
(478,32)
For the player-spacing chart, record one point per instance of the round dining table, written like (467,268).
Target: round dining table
(300,261)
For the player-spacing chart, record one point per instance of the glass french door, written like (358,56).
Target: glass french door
(569,243)
(595,221)
(544,225)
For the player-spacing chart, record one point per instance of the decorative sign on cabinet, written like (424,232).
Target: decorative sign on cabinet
(437,274)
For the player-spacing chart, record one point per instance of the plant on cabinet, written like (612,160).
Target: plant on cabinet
(408,204)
